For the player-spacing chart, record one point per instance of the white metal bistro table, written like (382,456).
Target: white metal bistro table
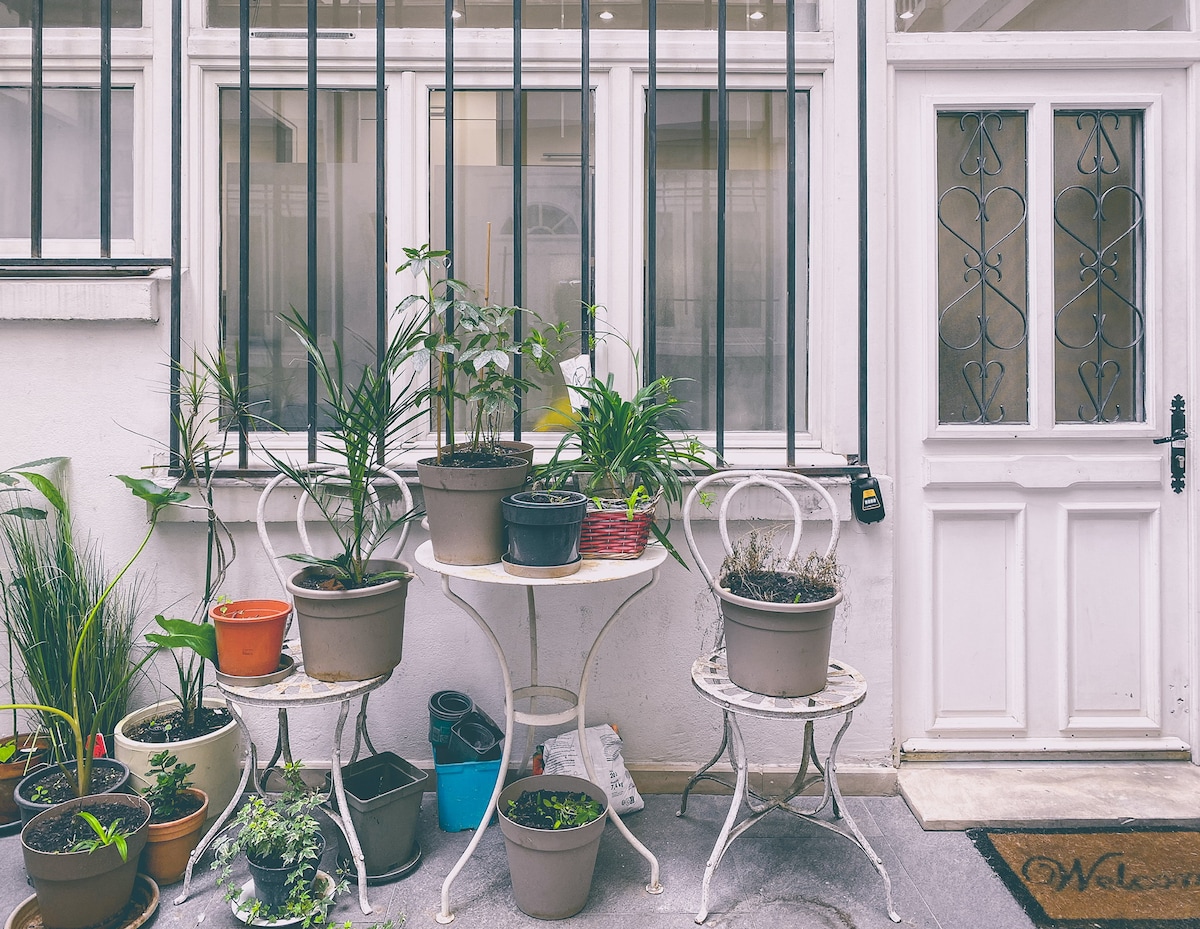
(295,692)
(844,690)
(591,571)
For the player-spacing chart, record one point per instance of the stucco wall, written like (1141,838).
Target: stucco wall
(96,391)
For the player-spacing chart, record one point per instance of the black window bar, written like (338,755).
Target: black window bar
(103,264)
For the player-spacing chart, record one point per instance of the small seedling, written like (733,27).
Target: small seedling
(105,836)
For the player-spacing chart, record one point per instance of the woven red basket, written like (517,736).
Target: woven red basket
(610,533)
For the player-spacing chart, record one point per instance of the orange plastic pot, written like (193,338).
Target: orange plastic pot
(249,635)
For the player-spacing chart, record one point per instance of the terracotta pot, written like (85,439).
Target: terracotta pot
(551,869)
(463,509)
(80,889)
(249,635)
(351,635)
(217,755)
(31,753)
(778,649)
(168,845)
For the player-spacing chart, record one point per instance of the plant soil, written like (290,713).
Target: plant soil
(185,806)
(475,460)
(62,833)
(539,809)
(171,727)
(776,587)
(314,580)
(60,787)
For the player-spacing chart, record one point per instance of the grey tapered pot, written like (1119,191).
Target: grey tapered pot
(778,649)
(80,889)
(351,635)
(463,509)
(551,869)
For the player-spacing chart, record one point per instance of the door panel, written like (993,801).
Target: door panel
(1042,577)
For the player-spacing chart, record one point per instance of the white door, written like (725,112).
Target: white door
(1041,332)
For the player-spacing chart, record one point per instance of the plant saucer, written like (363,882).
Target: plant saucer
(241,906)
(141,907)
(287,664)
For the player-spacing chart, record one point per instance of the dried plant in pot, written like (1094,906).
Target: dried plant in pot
(778,611)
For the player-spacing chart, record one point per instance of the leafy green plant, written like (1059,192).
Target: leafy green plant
(369,420)
(279,832)
(472,351)
(554,809)
(112,834)
(756,570)
(58,600)
(168,796)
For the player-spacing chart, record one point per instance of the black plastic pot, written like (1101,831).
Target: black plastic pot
(25,788)
(543,526)
(271,883)
(446,707)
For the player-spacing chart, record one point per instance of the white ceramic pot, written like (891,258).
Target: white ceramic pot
(217,756)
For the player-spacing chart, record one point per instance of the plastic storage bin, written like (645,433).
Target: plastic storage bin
(463,789)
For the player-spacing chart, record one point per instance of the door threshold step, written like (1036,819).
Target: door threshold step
(962,795)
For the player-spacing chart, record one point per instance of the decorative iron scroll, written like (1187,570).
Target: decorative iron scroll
(1100,222)
(982,327)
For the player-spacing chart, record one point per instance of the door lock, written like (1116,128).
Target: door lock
(1178,440)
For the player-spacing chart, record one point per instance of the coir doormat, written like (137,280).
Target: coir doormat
(1099,878)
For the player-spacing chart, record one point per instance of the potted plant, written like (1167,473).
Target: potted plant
(552,825)
(473,355)
(82,856)
(177,814)
(249,635)
(625,458)
(94,683)
(283,844)
(350,607)
(543,529)
(208,408)
(778,613)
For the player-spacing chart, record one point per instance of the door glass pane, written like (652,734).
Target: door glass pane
(741,15)
(1099,273)
(756,257)
(70,163)
(278,267)
(126,14)
(552,215)
(983,330)
(1041,15)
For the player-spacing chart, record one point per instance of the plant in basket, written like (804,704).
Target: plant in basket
(626,455)
(473,356)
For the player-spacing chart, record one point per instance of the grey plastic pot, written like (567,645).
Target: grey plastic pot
(383,792)
(778,649)
(351,635)
(78,889)
(463,509)
(551,869)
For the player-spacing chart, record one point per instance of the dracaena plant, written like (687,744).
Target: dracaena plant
(39,589)
(370,416)
(472,352)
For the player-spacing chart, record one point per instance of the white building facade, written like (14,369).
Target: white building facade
(951,239)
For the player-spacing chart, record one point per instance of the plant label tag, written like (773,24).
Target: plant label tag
(866,500)
(577,372)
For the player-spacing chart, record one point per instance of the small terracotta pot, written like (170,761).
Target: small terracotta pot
(31,753)
(249,635)
(169,844)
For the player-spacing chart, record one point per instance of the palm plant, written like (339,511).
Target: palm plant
(71,624)
(370,418)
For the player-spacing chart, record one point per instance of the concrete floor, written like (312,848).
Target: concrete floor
(782,873)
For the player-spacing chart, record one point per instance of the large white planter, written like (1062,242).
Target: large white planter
(217,756)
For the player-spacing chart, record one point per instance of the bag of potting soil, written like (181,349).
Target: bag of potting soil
(561,755)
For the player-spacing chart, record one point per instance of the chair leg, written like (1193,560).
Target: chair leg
(738,757)
(702,773)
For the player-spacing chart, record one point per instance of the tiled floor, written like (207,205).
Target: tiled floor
(782,873)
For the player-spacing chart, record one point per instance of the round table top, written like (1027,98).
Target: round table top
(591,570)
(845,689)
(298,688)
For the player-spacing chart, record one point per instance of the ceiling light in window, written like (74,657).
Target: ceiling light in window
(909,9)
(757,15)
(606,15)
